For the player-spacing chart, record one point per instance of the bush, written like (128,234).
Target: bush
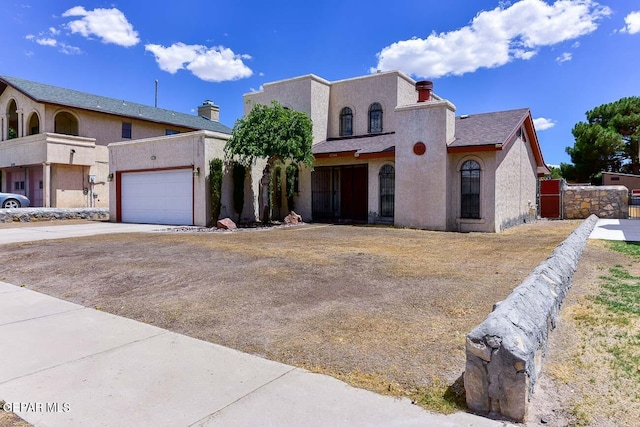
(292,177)
(215,187)
(277,187)
(239,172)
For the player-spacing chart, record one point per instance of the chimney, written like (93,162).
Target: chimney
(209,110)
(424,89)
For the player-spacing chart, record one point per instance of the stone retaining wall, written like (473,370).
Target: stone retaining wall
(504,352)
(609,201)
(49,214)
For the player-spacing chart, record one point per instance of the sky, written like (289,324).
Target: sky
(559,58)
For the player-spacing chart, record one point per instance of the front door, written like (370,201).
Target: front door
(35,187)
(340,193)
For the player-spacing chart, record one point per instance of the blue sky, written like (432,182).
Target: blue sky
(559,58)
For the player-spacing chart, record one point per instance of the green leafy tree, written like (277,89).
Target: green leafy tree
(556,172)
(608,141)
(275,133)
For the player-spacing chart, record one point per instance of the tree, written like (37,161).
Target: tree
(272,132)
(608,141)
(556,172)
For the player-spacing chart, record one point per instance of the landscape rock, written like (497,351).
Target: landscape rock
(293,218)
(226,224)
(52,214)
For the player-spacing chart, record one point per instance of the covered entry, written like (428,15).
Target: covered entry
(156,197)
(340,193)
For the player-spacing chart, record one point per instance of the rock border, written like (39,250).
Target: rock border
(504,353)
(50,214)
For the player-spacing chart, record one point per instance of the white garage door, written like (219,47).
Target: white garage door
(162,197)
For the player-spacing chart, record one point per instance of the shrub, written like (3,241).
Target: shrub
(215,187)
(239,172)
(277,187)
(292,177)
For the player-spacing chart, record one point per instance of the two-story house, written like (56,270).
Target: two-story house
(53,141)
(389,150)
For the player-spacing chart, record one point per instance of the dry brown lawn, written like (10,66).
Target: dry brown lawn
(382,308)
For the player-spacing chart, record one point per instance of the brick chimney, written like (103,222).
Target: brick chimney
(424,89)
(209,111)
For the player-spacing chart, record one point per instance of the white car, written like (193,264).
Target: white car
(13,201)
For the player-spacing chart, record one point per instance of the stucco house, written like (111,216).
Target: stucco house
(53,145)
(390,150)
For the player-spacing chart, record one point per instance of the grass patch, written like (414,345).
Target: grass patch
(629,248)
(609,322)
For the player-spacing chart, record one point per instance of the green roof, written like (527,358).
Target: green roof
(72,98)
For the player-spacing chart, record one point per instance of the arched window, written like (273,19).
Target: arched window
(346,122)
(375,118)
(387,180)
(470,190)
(66,124)
(33,125)
(12,116)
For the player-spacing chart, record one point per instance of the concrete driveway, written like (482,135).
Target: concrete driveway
(617,229)
(62,231)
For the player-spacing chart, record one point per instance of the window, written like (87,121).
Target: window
(375,118)
(171,132)
(126,130)
(387,180)
(470,189)
(346,122)
(18,185)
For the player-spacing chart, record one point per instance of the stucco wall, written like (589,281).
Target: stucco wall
(422,180)
(516,185)
(630,181)
(309,94)
(389,89)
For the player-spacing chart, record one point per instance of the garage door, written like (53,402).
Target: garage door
(160,197)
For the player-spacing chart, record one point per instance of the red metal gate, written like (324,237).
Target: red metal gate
(551,198)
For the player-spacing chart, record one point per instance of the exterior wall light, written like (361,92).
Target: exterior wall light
(153,157)
(196,172)
(110,177)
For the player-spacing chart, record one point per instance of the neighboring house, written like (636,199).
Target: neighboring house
(386,155)
(53,142)
(632,182)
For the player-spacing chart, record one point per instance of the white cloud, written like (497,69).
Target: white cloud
(47,42)
(566,56)
(215,64)
(29,37)
(543,124)
(493,38)
(110,25)
(54,31)
(69,50)
(632,22)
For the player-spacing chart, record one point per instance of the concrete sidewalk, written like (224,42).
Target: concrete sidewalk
(617,229)
(62,364)
(62,231)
